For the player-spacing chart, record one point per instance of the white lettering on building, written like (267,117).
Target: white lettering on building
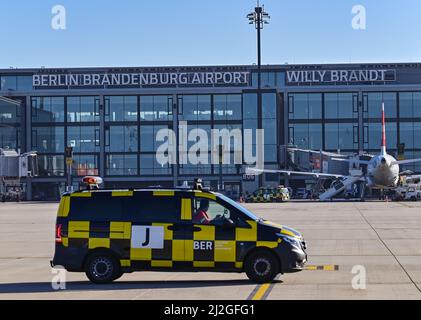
(343,76)
(141,79)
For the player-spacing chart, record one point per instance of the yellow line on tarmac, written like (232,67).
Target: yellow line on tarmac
(311,268)
(328,267)
(261,292)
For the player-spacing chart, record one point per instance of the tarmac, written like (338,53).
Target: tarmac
(357,250)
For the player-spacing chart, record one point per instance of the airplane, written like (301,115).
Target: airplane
(383,170)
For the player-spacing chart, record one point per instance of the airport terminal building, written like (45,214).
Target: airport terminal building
(110,117)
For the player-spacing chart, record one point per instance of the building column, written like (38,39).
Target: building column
(101,168)
(286,133)
(175,129)
(360,122)
(28,141)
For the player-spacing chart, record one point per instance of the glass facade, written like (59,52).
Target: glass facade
(10,125)
(338,128)
(267,119)
(327,121)
(85,165)
(250,120)
(156,113)
(113,130)
(16,83)
(305,106)
(156,108)
(51,165)
(59,122)
(270,125)
(227,107)
(341,136)
(409,123)
(373,105)
(47,109)
(121,139)
(121,165)
(409,105)
(306,135)
(341,106)
(121,108)
(48,139)
(194,108)
(372,113)
(83,139)
(82,109)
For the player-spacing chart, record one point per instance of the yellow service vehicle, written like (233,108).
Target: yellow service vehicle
(265,195)
(106,233)
(261,195)
(282,194)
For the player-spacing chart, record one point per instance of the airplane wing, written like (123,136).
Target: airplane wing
(406,161)
(414,176)
(406,173)
(286,172)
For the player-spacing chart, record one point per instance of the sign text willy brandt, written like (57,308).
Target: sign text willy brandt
(340,76)
(140,79)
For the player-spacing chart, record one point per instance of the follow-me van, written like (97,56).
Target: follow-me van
(106,233)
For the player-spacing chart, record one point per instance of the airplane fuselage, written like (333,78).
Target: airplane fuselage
(382,173)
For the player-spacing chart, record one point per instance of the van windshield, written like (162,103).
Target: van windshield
(239,207)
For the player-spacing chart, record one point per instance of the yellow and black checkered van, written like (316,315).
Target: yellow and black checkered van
(265,195)
(107,233)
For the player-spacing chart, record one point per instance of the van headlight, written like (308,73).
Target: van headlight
(292,241)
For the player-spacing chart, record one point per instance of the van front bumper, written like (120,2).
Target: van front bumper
(293,259)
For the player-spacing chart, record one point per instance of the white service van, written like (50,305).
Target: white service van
(413,192)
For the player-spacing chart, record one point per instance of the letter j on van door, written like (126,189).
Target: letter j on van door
(147,237)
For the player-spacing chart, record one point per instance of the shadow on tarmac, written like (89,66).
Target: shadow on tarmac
(43,287)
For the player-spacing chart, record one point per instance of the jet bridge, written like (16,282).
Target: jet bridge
(13,167)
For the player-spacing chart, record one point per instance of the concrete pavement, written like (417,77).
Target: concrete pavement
(384,238)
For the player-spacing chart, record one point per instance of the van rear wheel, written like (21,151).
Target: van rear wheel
(102,268)
(261,267)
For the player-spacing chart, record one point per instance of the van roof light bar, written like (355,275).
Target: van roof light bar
(92,183)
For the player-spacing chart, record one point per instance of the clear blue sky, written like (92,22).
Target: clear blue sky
(205,32)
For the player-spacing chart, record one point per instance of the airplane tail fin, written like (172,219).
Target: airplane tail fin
(383,147)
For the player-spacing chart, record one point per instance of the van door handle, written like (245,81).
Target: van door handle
(187,228)
(192,228)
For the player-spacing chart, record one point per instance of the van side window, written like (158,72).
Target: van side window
(148,208)
(96,209)
(209,212)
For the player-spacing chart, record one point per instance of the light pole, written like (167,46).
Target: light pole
(259,18)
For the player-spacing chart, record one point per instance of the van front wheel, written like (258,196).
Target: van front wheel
(261,267)
(102,268)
